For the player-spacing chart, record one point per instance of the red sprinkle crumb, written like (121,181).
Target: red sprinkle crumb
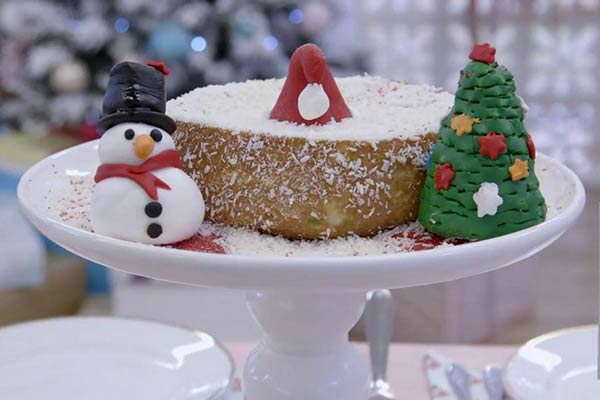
(200,243)
(424,240)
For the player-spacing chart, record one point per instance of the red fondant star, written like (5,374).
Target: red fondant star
(531,147)
(492,145)
(483,53)
(159,65)
(444,174)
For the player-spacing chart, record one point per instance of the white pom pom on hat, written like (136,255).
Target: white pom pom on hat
(313,102)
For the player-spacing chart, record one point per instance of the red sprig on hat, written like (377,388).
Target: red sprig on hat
(159,65)
(309,66)
(483,53)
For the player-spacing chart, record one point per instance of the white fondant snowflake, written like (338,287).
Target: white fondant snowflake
(313,101)
(524,106)
(487,199)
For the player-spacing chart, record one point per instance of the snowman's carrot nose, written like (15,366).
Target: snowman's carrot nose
(143,146)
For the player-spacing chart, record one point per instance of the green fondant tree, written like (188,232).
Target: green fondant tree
(481,181)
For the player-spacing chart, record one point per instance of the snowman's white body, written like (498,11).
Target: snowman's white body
(118,204)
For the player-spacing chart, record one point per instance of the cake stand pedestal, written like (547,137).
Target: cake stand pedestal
(306,306)
(305,353)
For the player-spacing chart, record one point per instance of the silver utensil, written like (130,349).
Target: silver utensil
(459,380)
(492,378)
(379,326)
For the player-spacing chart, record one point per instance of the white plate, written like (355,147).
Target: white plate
(560,365)
(38,187)
(109,358)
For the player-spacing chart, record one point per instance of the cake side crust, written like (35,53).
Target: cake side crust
(301,188)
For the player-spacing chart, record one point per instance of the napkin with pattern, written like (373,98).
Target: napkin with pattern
(439,387)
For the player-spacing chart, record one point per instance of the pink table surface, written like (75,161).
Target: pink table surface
(405,371)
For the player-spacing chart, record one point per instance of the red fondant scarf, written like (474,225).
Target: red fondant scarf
(142,174)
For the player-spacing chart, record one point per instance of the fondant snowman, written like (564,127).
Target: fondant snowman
(141,193)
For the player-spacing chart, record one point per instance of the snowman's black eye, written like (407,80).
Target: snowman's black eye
(156,135)
(129,134)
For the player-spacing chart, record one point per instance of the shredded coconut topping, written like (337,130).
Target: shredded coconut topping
(71,206)
(381,108)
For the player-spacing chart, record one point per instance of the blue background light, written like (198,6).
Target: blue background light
(296,16)
(270,42)
(198,43)
(121,25)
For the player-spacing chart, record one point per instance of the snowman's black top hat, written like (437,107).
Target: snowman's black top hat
(135,93)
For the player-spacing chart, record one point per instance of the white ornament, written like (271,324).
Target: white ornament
(524,106)
(68,108)
(193,15)
(72,76)
(28,20)
(313,102)
(487,199)
(131,6)
(35,127)
(42,59)
(91,34)
(119,205)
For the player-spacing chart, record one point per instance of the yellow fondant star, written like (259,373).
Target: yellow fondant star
(463,124)
(519,170)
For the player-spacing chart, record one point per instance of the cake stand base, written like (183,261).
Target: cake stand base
(305,353)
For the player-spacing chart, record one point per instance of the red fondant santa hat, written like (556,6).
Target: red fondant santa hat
(310,95)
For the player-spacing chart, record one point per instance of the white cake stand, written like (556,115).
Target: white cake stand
(306,306)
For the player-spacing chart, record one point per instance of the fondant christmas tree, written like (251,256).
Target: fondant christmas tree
(481,181)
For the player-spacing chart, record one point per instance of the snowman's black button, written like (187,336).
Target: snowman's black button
(154,230)
(156,135)
(153,209)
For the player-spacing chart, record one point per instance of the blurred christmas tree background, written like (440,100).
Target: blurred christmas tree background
(55,55)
